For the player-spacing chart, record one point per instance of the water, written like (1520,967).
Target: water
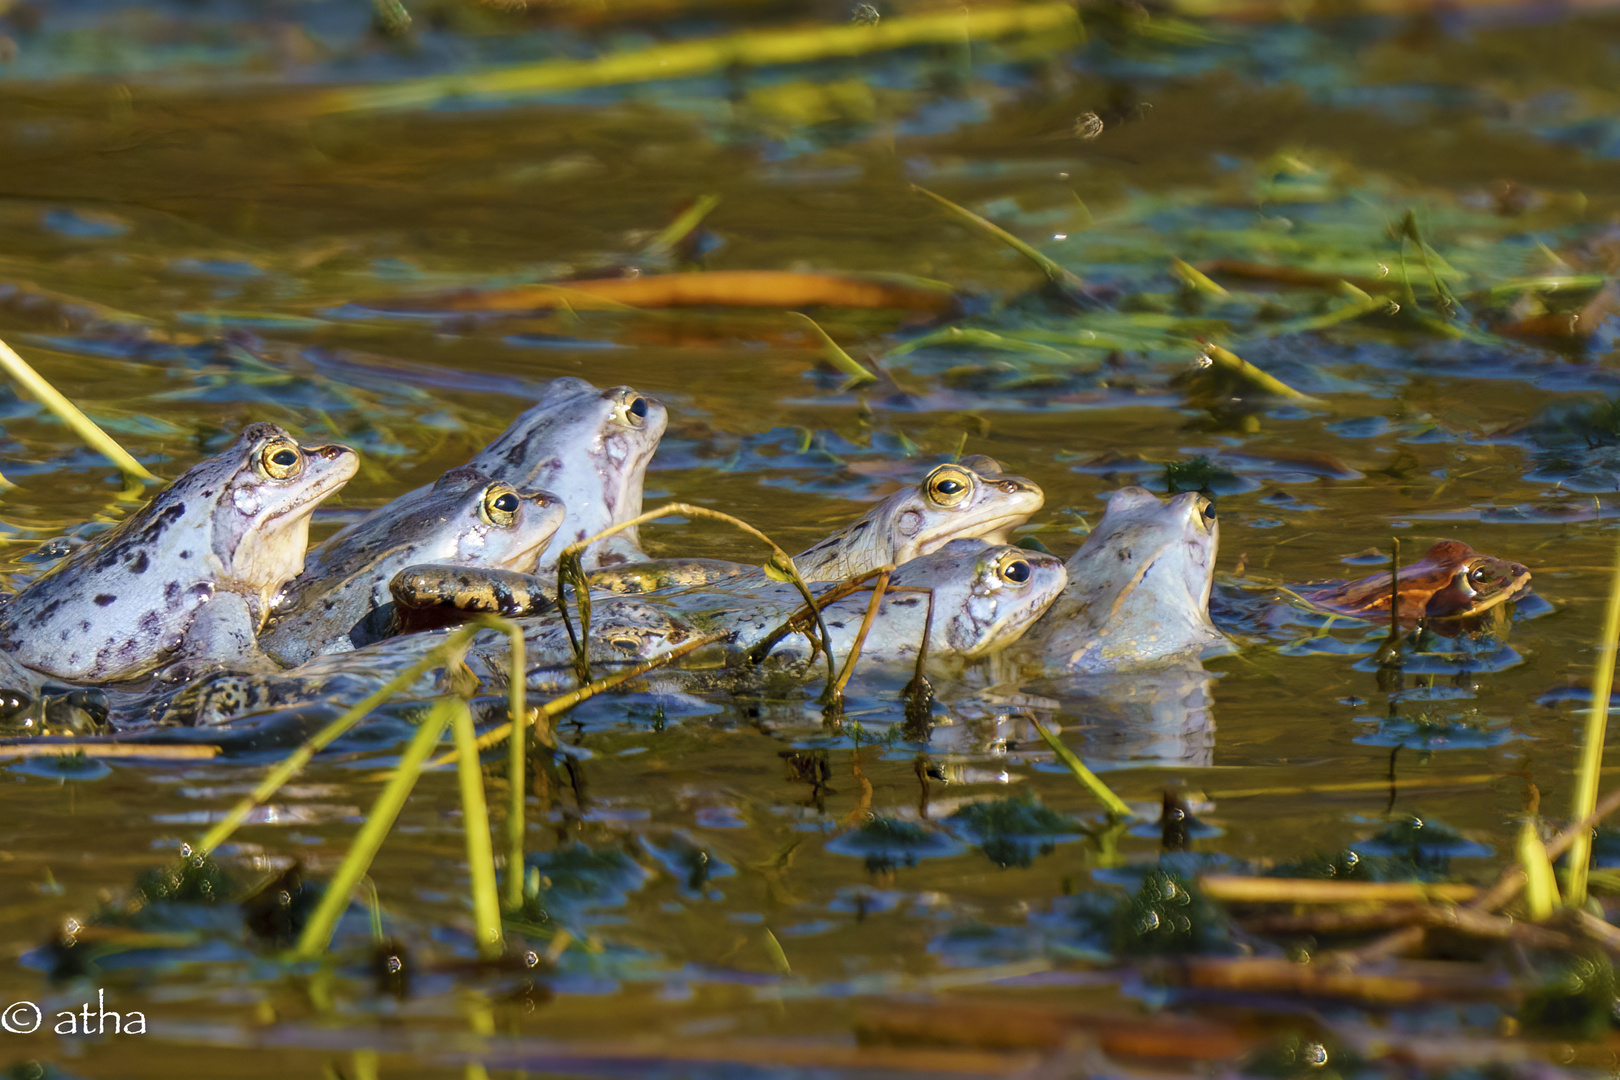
(179,262)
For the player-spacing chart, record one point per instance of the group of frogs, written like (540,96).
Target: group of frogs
(209,600)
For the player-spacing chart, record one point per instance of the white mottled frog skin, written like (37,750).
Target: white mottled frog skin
(970,499)
(590,448)
(1138,592)
(189,576)
(341,600)
(985,597)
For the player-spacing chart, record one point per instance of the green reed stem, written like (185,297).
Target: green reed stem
(1116,805)
(317,934)
(517,760)
(1597,722)
(475,820)
(81,425)
(453,645)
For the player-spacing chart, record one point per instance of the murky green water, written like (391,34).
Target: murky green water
(224,231)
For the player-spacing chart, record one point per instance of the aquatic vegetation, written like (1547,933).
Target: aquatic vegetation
(1013,830)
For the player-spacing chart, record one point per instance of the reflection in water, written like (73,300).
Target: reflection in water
(1162,717)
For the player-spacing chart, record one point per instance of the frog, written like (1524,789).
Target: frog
(1451,582)
(341,600)
(1138,590)
(590,448)
(985,596)
(187,578)
(972,498)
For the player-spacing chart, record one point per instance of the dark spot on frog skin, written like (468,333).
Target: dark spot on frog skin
(84,624)
(103,600)
(1124,554)
(171,590)
(139,563)
(185,554)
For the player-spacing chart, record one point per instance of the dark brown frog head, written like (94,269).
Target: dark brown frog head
(1453,581)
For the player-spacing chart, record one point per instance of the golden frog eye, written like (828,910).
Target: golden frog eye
(632,410)
(948,485)
(500,505)
(1206,513)
(1013,567)
(281,460)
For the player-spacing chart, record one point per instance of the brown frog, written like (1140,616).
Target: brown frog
(1453,581)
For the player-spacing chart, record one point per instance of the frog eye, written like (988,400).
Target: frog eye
(633,410)
(500,505)
(281,460)
(1014,567)
(947,485)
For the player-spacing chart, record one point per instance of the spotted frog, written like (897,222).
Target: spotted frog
(190,576)
(970,499)
(1453,581)
(341,600)
(1138,591)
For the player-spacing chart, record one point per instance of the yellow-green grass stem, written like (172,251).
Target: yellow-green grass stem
(1053,23)
(682,227)
(1116,805)
(317,933)
(475,822)
(517,759)
(81,425)
(1597,723)
(294,763)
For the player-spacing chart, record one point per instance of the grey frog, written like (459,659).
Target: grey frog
(1138,592)
(341,600)
(188,576)
(969,499)
(590,448)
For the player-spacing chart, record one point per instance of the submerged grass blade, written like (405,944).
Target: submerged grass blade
(317,932)
(835,355)
(81,425)
(1116,805)
(475,821)
(1054,24)
(1597,722)
(1055,272)
(444,653)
